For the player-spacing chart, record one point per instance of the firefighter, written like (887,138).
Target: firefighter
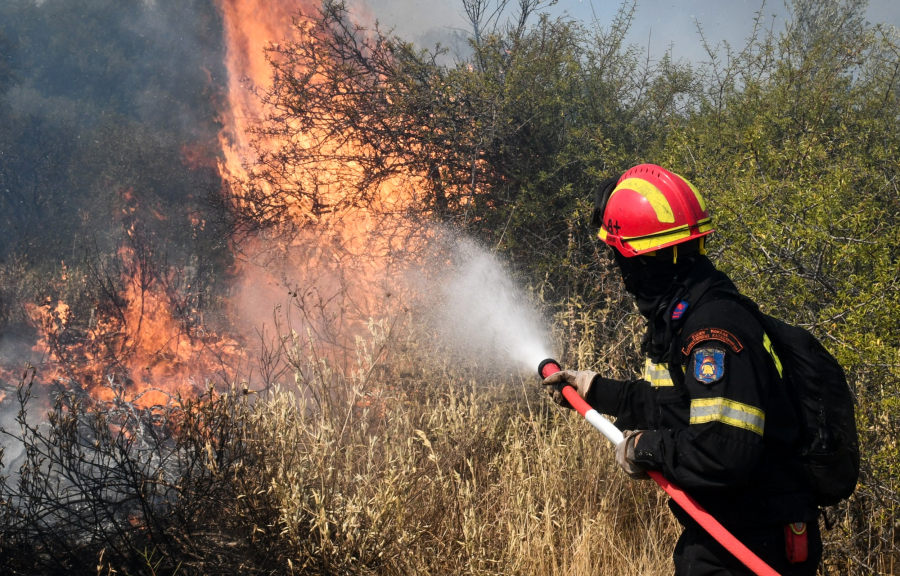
(711,411)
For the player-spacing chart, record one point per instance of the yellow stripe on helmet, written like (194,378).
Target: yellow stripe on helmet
(696,193)
(657,240)
(649,241)
(652,194)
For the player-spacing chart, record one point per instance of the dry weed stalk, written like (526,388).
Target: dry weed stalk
(407,468)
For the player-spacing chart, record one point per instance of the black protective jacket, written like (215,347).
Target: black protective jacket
(719,421)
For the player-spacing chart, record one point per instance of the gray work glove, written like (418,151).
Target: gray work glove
(580,380)
(625,455)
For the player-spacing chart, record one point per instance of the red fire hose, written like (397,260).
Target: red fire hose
(691,506)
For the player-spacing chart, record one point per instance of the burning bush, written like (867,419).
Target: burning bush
(128,317)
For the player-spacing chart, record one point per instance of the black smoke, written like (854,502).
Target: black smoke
(107,122)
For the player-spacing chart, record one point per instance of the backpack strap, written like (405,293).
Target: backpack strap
(773,345)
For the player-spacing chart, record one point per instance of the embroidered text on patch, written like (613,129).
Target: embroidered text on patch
(704,334)
(709,365)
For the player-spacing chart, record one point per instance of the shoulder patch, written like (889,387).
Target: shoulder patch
(679,309)
(709,365)
(704,334)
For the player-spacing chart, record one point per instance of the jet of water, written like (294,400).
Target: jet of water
(480,311)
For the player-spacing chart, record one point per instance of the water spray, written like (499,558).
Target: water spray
(549,367)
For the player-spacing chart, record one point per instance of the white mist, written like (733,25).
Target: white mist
(480,313)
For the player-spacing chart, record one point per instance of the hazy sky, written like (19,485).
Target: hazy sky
(659,23)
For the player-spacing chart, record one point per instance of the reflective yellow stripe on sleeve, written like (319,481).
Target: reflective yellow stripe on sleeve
(768,344)
(657,374)
(729,412)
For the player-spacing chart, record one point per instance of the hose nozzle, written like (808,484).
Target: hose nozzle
(548,367)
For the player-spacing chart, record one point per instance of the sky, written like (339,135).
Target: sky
(659,24)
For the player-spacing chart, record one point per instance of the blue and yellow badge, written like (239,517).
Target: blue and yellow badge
(709,365)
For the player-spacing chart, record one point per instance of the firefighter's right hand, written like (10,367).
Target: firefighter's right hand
(580,380)
(625,455)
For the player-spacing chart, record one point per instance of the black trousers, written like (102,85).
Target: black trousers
(698,554)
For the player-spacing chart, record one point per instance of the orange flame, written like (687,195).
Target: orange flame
(251,26)
(139,341)
(146,340)
(345,252)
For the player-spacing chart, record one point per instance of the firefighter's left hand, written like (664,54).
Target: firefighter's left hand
(580,380)
(625,455)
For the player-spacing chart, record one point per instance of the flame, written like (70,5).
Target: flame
(139,331)
(250,26)
(137,340)
(344,256)
(152,341)
(253,29)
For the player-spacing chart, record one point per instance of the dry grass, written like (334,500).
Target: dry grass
(411,469)
(467,482)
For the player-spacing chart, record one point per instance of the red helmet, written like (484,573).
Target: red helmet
(651,208)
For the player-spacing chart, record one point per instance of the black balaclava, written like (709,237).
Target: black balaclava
(649,278)
(656,282)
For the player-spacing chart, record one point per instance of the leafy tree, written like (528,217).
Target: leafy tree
(796,142)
